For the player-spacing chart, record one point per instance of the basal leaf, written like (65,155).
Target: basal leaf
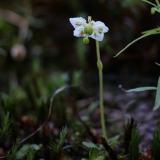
(138,89)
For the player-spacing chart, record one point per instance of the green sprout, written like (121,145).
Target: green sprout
(14,154)
(155,145)
(56,147)
(134,143)
(5,130)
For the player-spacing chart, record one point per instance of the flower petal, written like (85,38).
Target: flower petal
(95,35)
(101,24)
(79,32)
(76,33)
(77,22)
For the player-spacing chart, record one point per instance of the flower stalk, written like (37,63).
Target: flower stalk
(96,31)
(100,69)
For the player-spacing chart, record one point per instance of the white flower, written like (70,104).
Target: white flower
(91,29)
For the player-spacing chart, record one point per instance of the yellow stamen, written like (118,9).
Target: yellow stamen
(89,18)
(95,34)
(100,30)
(78,23)
(81,33)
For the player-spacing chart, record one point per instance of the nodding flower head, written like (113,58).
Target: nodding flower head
(91,29)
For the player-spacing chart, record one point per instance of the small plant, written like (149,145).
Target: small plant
(128,128)
(31,154)
(56,147)
(93,153)
(96,31)
(155,145)
(14,154)
(5,130)
(155,31)
(29,150)
(134,143)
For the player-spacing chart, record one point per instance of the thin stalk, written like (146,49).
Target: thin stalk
(145,34)
(100,68)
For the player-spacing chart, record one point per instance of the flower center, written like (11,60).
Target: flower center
(88,29)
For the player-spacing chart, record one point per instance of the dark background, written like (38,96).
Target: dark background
(50,41)
(48,57)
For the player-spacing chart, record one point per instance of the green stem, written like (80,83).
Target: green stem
(145,34)
(100,68)
(157,3)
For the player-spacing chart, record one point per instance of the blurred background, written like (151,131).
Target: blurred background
(39,54)
(37,35)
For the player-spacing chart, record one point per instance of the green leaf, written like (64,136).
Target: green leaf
(134,145)
(140,89)
(152,31)
(143,36)
(114,141)
(26,149)
(157,101)
(153,10)
(157,63)
(90,145)
(93,153)
(149,2)
(93,106)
